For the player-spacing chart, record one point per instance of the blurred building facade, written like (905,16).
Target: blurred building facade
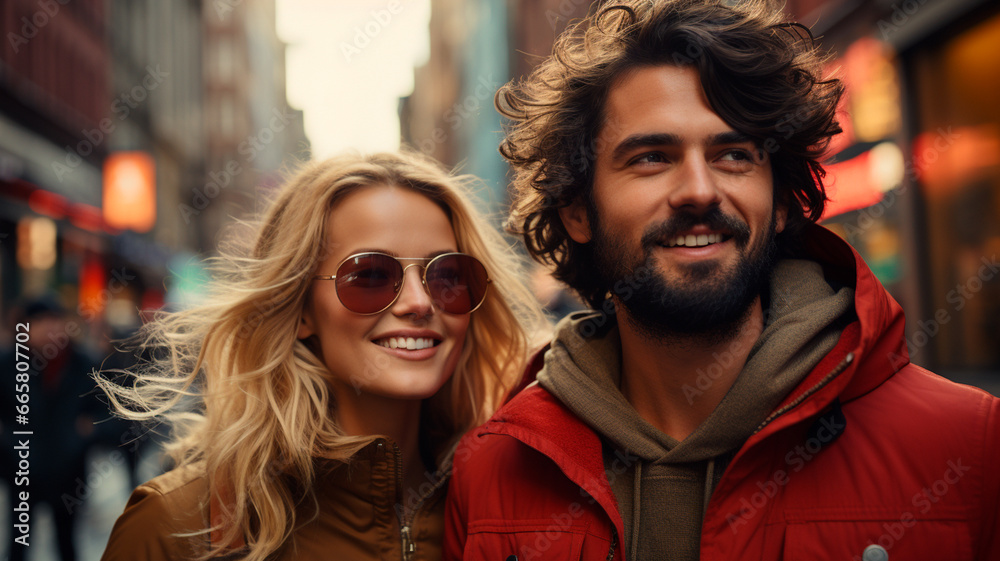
(249,128)
(437,86)
(450,113)
(914,180)
(130,131)
(476,47)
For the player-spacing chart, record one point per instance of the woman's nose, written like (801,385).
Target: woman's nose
(413,297)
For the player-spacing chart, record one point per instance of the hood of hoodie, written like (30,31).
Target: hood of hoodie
(803,322)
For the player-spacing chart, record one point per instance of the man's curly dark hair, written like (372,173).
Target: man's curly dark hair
(761,75)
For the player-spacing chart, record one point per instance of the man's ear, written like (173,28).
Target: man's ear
(780,217)
(306,325)
(575,220)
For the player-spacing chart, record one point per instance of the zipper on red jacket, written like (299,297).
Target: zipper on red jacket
(614,543)
(819,385)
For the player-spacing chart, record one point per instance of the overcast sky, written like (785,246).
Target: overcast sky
(348,63)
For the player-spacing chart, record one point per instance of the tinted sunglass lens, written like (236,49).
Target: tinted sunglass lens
(457,283)
(368,283)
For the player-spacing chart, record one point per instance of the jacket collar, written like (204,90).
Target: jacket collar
(377,460)
(875,341)
(224,497)
(539,420)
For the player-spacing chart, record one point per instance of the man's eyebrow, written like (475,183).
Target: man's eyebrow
(642,140)
(728,137)
(669,139)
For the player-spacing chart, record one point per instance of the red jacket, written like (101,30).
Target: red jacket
(867,450)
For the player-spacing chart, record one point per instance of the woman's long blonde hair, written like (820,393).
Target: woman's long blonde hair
(252,403)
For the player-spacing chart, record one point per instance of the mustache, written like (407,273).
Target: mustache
(714,219)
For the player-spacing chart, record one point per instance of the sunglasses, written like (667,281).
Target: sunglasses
(369,283)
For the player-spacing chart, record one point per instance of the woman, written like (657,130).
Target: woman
(334,368)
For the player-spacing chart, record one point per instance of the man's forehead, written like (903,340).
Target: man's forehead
(644,99)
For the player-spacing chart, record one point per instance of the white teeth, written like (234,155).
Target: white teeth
(692,240)
(408,343)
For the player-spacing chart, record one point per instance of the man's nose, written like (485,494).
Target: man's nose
(695,188)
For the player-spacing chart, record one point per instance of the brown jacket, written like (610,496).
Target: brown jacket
(360,506)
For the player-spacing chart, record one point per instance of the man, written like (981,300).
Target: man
(742,390)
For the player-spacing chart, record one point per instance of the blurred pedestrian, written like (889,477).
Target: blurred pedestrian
(741,388)
(375,318)
(61,413)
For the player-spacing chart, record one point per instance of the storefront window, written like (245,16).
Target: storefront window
(957,152)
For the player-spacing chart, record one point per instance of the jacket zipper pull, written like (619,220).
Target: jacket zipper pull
(408,546)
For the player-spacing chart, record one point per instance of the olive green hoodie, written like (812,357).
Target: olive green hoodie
(663,485)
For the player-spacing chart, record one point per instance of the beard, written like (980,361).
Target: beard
(708,301)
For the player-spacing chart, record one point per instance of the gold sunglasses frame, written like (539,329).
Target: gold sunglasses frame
(423,278)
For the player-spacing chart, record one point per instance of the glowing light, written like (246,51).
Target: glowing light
(36,243)
(130,191)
